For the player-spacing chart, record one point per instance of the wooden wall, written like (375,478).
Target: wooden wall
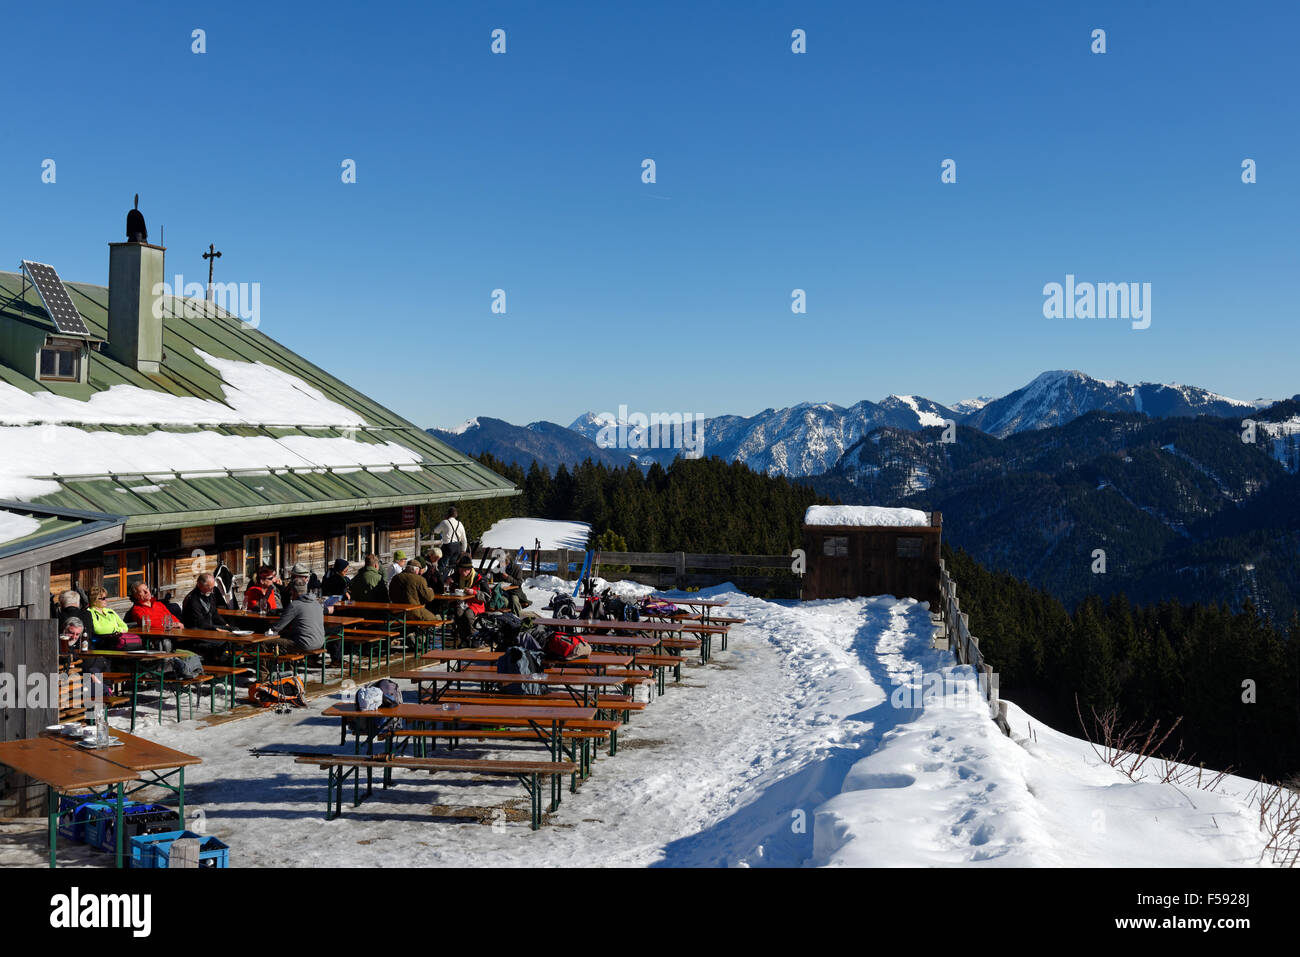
(902,561)
(33,646)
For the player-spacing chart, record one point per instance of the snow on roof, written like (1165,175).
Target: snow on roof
(864,515)
(14,526)
(39,433)
(255,394)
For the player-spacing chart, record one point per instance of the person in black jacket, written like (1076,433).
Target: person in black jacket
(202,609)
(335,582)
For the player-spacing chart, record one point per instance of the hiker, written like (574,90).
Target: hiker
(398,564)
(264,590)
(432,559)
(368,584)
(513,574)
(335,583)
(147,612)
(410,588)
(450,535)
(202,609)
(301,626)
(70,607)
(466,611)
(104,621)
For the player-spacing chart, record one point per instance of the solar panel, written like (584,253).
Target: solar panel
(58,304)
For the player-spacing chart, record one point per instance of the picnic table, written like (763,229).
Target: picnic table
(571,683)
(336,627)
(705,605)
(455,659)
(64,766)
(481,714)
(149,664)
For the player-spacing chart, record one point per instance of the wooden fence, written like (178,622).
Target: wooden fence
(966,647)
(682,569)
(27,648)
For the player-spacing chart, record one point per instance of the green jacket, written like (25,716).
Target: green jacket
(368,585)
(105,621)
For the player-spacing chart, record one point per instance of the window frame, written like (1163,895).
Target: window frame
(122,578)
(250,576)
(348,531)
(59,347)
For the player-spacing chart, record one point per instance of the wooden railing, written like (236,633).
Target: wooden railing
(966,647)
(681,569)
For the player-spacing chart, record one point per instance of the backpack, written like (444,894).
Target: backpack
(561,606)
(280,691)
(520,661)
(188,665)
(658,608)
(497,599)
(123,642)
(593,609)
(562,647)
(384,693)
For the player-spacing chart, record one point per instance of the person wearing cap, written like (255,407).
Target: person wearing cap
(466,611)
(399,563)
(335,582)
(408,587)
(368,583)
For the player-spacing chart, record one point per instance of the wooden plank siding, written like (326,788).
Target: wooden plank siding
(32,647)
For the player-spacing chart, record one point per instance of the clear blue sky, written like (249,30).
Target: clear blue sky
(775,171)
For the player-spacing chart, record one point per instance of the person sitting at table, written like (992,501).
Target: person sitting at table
(466,611)
(368,584)
(396,567)
(202,610)
(410,588)
(301,626)
(335,582)
(264,589)
(69,607)
(70,636)
(513,574)
(147,612)
(432,557)
(104,621)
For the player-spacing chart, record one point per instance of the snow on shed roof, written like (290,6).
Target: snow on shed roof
(872,516)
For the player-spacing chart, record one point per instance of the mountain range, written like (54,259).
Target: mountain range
(809,439)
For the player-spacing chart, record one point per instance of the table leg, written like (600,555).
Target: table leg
(135,693)
(121,800)
(181,795)
(52,808)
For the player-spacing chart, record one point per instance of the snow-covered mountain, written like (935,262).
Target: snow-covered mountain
(1055,398)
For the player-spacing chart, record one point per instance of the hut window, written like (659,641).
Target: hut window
(61,360)
(259,550)
(909,548)
(359,541)
(123,568)
(836,546)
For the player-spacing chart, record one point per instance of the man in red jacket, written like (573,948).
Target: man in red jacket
(150,615)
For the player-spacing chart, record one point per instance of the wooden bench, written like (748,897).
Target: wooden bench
(226,675)
(373,642)
(454,736)
(177,685)
(659,664)
(342,766)
(605,702)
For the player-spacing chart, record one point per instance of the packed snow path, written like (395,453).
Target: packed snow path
(809,741)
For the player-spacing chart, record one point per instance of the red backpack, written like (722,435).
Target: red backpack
(564,647)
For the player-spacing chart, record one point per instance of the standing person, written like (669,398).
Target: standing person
(264,589)
(397,567)
(450,535)
(335,583)
(368,583)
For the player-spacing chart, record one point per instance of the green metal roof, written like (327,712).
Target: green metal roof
(171,500)
(60,532)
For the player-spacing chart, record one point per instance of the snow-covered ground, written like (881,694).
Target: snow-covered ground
(817,738)
(511,533)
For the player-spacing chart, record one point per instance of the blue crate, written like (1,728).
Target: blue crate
(90,818)
(154,850)
(137,819)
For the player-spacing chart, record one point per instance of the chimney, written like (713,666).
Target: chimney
(135,268)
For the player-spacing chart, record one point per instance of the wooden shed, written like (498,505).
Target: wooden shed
(865,550)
